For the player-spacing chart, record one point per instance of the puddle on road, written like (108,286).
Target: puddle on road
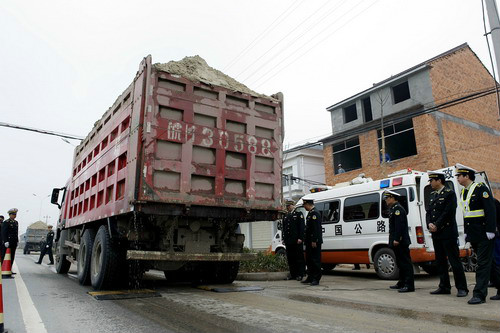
(453,320)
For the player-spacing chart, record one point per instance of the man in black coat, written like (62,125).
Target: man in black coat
(10,235)
(442,224)
(47,247)
(399,242)
(479,212)
(313,239)
(293,238)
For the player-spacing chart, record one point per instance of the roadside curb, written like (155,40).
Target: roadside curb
(262,276)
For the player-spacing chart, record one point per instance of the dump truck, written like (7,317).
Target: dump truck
(34,236)
(164,178)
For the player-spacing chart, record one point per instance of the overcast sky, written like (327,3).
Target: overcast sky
(63,63)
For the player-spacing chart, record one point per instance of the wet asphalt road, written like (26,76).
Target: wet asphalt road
(39,300)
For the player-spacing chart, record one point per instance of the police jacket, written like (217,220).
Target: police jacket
(10,229)
(398,225)
(441,212)
(497,209)
(481,203)
(293,227)
(314,231)
(50,238)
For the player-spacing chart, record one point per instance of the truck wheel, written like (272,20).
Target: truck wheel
(84,257)
(385,264)
(62,264)
(106,263)
(226,272)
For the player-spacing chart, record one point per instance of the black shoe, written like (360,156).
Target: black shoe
(396,286)
(50,263)
(38,263)
(299,278)
(306,281)
(462,293)
(476,300)
(406,290)
(440,291)
(495,298)
(314,283)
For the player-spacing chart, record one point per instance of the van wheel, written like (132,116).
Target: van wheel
(84,257)
(281,252)
(385,264)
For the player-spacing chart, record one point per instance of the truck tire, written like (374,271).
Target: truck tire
(85,256)
(226,272)
(106,263)
(385,264)
(62,264)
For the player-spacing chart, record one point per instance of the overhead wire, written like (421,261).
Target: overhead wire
(268,29)
(42,131)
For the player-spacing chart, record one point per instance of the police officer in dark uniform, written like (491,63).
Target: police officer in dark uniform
(293,238)
(10,235)
(479,212)
(495,263)
(442,224)
(399,242)
(47,247)
(313,239)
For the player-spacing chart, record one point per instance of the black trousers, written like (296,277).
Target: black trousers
(313,262)
(403,260)
(295,257)
(495,266)
(448,249)
(12,248)
(484,251)
(44,251)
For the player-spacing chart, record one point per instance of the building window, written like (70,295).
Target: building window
(363,207)
(367,109)
(401,92)
(346,156)
(350,113)
(399,140)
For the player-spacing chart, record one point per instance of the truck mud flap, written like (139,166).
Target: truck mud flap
(169,256)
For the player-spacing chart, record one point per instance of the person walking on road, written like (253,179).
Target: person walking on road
(293,238)
(313,239)
(479,212)
(399,242)
(442,224)
(10,235)
(47,247)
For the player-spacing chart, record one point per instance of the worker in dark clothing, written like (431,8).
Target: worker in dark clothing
(10,235)
(495,265)
(479,212)
(293,238)
(399,242)
(313,239)
(47,247)
(442,224)
(1,220)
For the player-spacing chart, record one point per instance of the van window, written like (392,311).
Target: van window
(330,212)
(403,200)
(428,190)
(363,207)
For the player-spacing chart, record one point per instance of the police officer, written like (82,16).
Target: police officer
(47,247)
(478,208)
(10,233)
(442,224)
(313,239)
(399,242)
(293,238)
(495,265)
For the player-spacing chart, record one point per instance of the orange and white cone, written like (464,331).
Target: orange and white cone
(1,306)
(6,265)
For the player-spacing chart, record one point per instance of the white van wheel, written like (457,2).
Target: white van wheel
(385,264)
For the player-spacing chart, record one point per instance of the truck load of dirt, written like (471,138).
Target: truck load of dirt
(196,69)
(38,225)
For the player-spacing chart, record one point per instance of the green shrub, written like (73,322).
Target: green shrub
(265,262)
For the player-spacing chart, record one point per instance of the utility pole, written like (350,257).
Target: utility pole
(382,101)
(492,11)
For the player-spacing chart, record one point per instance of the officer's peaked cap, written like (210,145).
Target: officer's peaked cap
(289,202)
(462,169)
(308,201)
(12,211)
(389,193)
(436,175)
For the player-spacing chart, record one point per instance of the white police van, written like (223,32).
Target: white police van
(355,221)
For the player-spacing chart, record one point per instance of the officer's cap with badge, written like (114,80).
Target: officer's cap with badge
(464,170)
(289,202)
(390,194)
(12,211)
(436,175)
(308,201)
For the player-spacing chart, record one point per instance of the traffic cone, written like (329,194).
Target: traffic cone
(6,266)
(1,306)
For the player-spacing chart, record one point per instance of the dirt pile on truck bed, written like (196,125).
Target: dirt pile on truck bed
(38,225)
(196,69)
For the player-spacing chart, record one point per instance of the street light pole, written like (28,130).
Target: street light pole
(41,203)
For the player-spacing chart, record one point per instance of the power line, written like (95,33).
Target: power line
(310,49)
(260,36)
(42,131)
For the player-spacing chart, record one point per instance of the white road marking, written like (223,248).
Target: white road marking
(32,321)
